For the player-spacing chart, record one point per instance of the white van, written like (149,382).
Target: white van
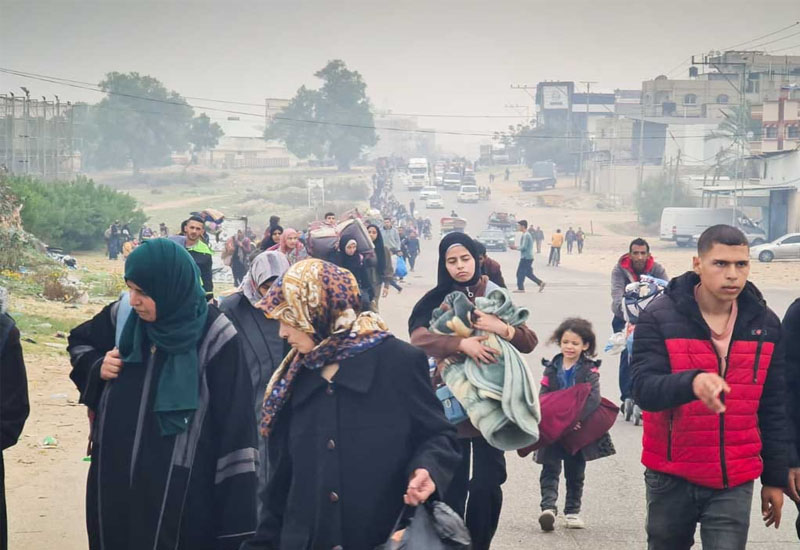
(684,225)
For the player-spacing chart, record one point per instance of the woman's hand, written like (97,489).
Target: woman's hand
(112,365)
(420,488)
(474,348)
(491,323)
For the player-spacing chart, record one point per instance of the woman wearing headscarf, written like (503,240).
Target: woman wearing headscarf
(272,238)
(354,427)
(240,256)
(262,347)
(458,271)
(291,246)
(349,258)
(173,441)
(379,271)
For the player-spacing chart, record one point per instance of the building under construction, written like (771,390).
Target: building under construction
(37,137)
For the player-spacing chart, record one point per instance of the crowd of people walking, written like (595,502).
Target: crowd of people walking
(287,415)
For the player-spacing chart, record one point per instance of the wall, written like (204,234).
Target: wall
(622,181)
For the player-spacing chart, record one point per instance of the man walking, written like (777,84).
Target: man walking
(630,267)
(570,238)
(391,238)
(200,252)
(708,369)
(539,238)
(14,407)
(556,242)
(580,237)
(525,267)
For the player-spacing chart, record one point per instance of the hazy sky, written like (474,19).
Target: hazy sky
(434,56)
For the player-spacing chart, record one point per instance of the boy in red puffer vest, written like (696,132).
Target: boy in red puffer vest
(708,370)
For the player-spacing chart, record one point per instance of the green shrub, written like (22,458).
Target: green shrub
(656,194)
(73,215)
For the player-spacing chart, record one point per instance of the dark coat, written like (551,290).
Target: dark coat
(262,351)
(191,491)
(791,330)
(14,407)
(586,371)
(204,263)
(342,452)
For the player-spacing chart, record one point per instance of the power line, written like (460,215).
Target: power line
(776,40)
(764,36)
(259,116)
(95,88)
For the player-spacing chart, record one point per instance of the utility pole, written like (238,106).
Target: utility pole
(58,136)
(13,133)
(741,123)
(640,176)
(26,135)
(579,172)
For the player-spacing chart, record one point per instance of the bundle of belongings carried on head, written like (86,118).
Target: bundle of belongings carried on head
(323,238)
(213,220)
(500,399)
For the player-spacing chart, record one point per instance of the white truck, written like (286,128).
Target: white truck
(683,225)
(419,170)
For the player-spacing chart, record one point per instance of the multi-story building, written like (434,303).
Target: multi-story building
(780,122)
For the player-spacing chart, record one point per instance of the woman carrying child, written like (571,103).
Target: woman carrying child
(574,365)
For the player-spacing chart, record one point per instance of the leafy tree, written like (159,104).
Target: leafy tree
(75,214)
(539,143)
(140,122)
(335,120)
(657,193)
(203,134)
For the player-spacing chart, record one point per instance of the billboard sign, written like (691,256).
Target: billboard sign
(555,96)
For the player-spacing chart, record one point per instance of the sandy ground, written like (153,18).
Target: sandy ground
(46,486)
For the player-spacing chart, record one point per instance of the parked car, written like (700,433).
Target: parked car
(493,239)
(434,201)
(427,192)
(468,193)
(782,248)
(543,176)
(683,225)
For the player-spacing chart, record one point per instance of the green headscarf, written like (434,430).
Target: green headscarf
(169,275)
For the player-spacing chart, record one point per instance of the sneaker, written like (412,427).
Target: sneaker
(547,520)
(518,291)
(574,521)
(541,286)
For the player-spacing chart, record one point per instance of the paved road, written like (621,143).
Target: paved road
(613,504)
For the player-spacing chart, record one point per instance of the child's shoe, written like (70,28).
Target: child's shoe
(547,520)
(574,521)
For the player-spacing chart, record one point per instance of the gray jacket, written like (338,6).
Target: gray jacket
(622,276)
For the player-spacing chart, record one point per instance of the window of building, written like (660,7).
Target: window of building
(722,98)
(772,132)
(690,99)
(793,132)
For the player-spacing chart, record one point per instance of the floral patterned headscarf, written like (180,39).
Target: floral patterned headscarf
(322,300)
